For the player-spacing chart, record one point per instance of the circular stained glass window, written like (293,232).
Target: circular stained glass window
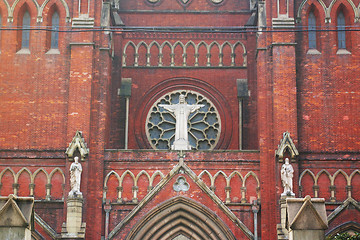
(204,125)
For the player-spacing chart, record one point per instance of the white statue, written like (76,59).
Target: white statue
(182,111)
(75,177)
(287,173)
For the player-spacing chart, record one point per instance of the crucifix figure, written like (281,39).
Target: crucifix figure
(181,111)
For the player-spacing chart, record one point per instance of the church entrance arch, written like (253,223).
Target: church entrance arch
(181,218)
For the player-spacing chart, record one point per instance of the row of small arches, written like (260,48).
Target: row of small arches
(128,187)
(187,54)
(39,9)
(40,183)
(333,187)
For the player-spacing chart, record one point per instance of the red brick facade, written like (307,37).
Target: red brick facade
(203,46)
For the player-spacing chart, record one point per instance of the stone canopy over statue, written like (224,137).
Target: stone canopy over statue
(181,111)
(287,173)
(75,178)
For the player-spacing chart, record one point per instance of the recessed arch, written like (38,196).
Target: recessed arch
(180,215)
(66,7)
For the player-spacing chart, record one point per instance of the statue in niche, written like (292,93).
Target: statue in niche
(287,173)
(181,111)
(75,177)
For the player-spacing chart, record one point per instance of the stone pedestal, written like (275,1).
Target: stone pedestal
(181,144)
(16,217)
(281,228)
(306,218)
(74,228)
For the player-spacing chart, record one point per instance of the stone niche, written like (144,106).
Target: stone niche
(16,217)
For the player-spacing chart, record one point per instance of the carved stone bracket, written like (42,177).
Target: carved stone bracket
(286,143)
(77,143)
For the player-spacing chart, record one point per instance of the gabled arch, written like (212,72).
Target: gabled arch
(36,173)
(24,169)
(177,43)
(353,173)
(345,227)
(156,173)
(142,43)
(251,173)
(209,175)
(214,43)
(57,170)
(129,43)
(225,176)
(66,7)
(237,44)
(127,172)
(199,45)
(236,173)
(142,172)
(12,9)
(5,170)
(180,215)
(190,43)
(316,3)
(226,43)
(342,4)
(108,176)
(166,43)
(154,43)
(8,8)
(319,174)
(303,174)
(340,171)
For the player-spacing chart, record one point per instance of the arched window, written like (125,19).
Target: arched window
(312,28)
(25,37)
(341,30)
(54,32)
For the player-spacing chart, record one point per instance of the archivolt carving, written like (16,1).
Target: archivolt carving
(184,53)
(180,215)
(33,176)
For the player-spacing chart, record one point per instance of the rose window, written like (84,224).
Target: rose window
(203,127)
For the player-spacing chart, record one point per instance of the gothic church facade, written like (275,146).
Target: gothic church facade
(275,80)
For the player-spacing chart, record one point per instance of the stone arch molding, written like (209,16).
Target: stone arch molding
(39,9)
(184,47)
(24,170)
(327,10)
(181,216)
(151,178)
(332,178)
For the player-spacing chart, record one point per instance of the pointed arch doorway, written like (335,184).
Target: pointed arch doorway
(180,219)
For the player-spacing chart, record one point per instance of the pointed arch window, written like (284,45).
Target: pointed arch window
(341,30)
(312,28)
(25,37)
(55,29)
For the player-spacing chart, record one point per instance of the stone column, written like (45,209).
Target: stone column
(74,228)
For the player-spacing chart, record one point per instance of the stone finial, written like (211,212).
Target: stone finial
(286,143)
(77,143)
